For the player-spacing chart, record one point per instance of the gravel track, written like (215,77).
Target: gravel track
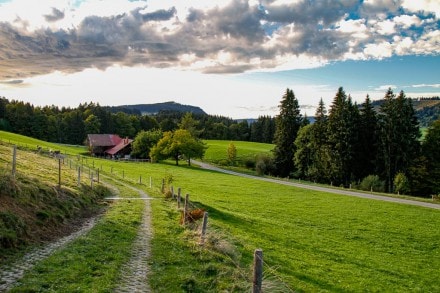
(10,274)
(134,274)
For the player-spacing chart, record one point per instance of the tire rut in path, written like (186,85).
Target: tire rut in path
(10,274)
(134,274)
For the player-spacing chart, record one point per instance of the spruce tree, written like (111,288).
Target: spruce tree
(287,126)
(399,136)
(368,139)
(342,137)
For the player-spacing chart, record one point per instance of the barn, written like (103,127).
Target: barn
(109,145)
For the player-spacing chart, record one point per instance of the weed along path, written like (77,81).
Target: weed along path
(320,188)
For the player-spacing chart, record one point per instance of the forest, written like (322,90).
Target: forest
(376,145)
(358,146)
(71,125)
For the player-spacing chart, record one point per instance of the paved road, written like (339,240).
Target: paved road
(320,188)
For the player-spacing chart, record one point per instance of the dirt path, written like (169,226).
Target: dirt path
(324,189)
(10,274)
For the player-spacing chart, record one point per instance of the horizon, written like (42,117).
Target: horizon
(230,58)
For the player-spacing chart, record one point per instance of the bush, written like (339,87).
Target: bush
(249,162)
(264,164)
(372,183)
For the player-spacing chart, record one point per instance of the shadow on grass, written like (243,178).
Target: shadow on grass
(222,216)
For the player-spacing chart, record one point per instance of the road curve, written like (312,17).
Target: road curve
(320,188)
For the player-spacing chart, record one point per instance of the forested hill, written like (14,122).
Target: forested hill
(427,109)
(150,109)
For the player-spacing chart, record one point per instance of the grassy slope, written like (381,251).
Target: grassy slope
(32,208)
(32,143)
(312,241)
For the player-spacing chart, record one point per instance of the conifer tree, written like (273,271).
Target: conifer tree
(287,126)
(368,139)
(342,137)
(399,136)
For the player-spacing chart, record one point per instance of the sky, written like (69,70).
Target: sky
(231,58)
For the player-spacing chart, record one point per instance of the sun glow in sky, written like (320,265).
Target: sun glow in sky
(231,58)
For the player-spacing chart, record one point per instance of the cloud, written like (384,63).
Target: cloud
(436,85)
(210,37)
(386,87)
(55,16)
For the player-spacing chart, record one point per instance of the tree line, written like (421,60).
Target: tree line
(71,125)
(358,146)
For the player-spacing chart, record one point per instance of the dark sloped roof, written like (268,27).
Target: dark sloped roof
(104,140)
(121,145)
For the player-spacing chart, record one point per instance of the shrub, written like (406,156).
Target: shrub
(401,183)
(264,164)
(373,183)
(249,162)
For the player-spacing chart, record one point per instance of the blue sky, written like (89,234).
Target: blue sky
(232,58)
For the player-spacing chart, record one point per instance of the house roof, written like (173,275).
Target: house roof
(121,145)
(104,140)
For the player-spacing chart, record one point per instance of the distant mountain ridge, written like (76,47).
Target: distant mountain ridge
(151,109)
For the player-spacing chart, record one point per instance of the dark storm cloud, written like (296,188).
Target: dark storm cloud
(55,16)
(241,31)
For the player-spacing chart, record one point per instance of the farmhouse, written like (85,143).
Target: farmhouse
(108,145)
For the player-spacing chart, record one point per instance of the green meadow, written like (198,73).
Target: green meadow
(217,151)
(312,241)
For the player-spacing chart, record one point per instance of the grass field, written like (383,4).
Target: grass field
(312,241)
(217,149)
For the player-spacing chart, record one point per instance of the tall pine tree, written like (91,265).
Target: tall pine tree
(342,130)
(287,125)
(399,136)
(368,139)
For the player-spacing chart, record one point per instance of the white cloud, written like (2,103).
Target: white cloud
(426,6)
(436,85)
(406,21)
(386,27)
(428,42)
(379,51)
(402,45)
(386,87)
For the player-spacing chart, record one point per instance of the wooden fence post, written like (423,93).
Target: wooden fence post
(14,160)
(59,173)
(140,179)
(79,175)
(185,208)
(178,198)
(204,225)
(123,174)
(172,192)
(163,186)
(258,271)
